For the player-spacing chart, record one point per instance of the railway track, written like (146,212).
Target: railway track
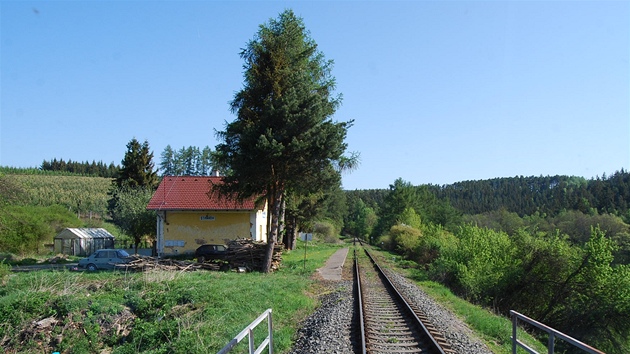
(388,324)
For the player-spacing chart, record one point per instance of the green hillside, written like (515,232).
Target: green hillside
(37,206)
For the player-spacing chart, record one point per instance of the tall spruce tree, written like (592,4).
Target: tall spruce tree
(137,167)
(167,164)
(283,135)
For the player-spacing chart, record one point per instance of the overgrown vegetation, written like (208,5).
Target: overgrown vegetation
(35,207)
(25,229)
(569,269)
(156,312)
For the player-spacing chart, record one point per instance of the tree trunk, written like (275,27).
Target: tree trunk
(293,234)
(281,225)
(272,237)
(289,241)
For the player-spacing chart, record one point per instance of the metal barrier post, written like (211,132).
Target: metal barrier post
(249,332)
(551,344)
(514,340)
(270,330)
(552,334)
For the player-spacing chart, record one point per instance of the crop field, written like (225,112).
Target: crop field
(77,193)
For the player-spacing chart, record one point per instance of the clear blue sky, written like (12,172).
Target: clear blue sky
(440,91)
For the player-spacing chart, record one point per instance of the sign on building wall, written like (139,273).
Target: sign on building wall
(207,218)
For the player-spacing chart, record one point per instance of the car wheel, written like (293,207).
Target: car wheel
(92,267)
(201,259)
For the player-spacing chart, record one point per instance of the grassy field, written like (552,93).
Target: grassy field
(185,312)
(153,312)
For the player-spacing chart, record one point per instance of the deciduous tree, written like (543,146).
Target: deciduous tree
(130,213)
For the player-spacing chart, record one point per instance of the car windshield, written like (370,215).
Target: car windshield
(122,254)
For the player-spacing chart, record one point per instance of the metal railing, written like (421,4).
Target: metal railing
(249,332)
(552,336)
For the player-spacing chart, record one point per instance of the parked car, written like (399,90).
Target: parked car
(105,259)
(211,252)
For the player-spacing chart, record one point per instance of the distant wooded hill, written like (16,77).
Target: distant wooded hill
(528,195)
(549,195)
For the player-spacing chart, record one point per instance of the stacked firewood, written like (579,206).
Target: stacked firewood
(251,254)
(243,254)
(144,263)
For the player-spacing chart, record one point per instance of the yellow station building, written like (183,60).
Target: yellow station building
(190,213)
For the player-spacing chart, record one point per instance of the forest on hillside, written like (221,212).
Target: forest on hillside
(554,248)
(549,195)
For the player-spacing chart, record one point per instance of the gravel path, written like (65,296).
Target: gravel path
(328,329)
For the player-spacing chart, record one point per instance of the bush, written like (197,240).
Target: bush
(405,240)
(478,265)
(326,231)
(385,242)
(434,239)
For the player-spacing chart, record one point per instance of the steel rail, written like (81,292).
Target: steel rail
(357,276)
(434,345)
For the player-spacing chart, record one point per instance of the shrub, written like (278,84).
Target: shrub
(434,239)
(405,240)
(410,218)
(325,230)
(479,264)
(385,242)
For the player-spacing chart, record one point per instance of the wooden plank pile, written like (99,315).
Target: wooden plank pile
(242,253)
(144,263)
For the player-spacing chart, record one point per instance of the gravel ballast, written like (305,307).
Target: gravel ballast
(329,328)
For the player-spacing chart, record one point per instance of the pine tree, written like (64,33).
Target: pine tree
(168,161)
(137,167)
(283,136)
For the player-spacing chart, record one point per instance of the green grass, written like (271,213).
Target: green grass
(155,312)
(187,312)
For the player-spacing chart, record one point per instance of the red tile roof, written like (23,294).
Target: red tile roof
(194,193)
